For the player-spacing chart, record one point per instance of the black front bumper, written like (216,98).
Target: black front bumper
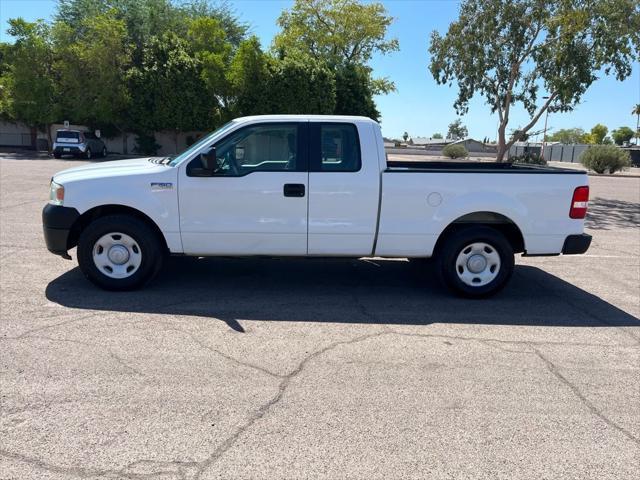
(57,222)
(576,244)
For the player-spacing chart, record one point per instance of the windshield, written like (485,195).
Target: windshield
(193,148)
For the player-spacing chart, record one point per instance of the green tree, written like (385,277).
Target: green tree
(457,130)
(209,45)
(599,132)
(298,86)
(354,92)
(91,72)
(405,136)
(506,50)
(343,35)
(168,92)
(247,76)
(569,136)
(335,31)
(29,80)
(621,135)
(148,18)
(436,135)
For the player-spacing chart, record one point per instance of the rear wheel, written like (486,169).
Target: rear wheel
(475,262)
(119,252)
(104,152)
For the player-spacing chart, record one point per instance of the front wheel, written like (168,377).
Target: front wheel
(87,154)
(104,152)
(475,262)
(119,252)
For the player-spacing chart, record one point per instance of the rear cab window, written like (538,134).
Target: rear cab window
(68,137)
(336,147)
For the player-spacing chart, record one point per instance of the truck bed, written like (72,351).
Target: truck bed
(400,166)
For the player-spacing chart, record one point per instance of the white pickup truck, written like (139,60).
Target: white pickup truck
(306,185)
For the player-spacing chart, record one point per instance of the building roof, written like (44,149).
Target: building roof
(429,141)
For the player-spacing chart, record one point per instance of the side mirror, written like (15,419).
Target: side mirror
(208,160)
(207,167)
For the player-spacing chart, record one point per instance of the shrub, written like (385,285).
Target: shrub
(455,151)
(146,144)
(602,158)
(530,158)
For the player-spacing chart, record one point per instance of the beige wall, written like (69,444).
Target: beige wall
(14,134)
(166,140)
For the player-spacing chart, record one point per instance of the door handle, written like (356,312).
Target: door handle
(293,190)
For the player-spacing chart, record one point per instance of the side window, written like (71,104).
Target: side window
(339,147)
(259,148)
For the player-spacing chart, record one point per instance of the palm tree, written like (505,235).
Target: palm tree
(636,112)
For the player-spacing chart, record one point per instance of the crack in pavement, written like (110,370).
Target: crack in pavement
(93,473)
(265,408)
(228,357)
(285,382)
(584,400)
(110,352)
(47,327)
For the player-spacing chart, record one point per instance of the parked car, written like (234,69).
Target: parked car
(79,144)
(298,185)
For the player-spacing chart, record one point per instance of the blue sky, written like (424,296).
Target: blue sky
(420,106)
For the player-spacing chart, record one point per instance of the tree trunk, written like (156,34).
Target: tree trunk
(33,133)
(501,144)
(49,139)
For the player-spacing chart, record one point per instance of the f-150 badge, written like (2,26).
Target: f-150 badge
(157,186)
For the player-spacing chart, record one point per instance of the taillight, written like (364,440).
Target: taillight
(579,203)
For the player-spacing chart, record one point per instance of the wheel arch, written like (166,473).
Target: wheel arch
(112,209)
(495,220)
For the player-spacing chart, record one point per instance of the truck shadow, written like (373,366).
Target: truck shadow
(339,291)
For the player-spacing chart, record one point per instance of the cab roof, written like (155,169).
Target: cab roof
(323,118)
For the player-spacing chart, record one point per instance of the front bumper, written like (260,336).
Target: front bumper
(576,244)
(57,222)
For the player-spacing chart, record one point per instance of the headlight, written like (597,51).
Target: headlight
(56,193)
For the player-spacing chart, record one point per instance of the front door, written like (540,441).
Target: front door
(255,203)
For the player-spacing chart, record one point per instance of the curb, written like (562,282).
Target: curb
(612,175)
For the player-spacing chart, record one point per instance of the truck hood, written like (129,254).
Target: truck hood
(117,168)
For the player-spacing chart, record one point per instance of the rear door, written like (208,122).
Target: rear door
(256,201)
(344,182)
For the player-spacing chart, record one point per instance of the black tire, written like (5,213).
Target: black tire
(458,241)
(151,248)
(57,155)
(104,152)
(87,154)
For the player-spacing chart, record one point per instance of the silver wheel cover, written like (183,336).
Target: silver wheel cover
(478,264)
(117,255)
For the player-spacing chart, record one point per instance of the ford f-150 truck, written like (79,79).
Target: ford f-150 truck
(305,185)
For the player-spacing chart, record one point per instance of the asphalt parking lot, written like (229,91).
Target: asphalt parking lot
(363,369)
